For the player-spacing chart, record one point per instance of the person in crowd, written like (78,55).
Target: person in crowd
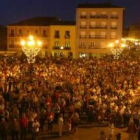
(35,128)
(132,130)
(3,129)
(50,121)
(60,125)
(111,129)
(102,136)
(75,121)
(15,129)
(23,126)
(68,126)
(61,85)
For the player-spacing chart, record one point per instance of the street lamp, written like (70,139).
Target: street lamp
(116,49)
(31,48)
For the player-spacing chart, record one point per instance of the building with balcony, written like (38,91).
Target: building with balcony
(62,36)
(39,27)
(96,26)
(58,37)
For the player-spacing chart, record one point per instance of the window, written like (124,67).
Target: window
(93,24)
(113,35)
(44,33)
(91,45)
(12,44)
(114,15)
(93,14)
(82,45)
(67,34)
(20,32)
(83,24)
(36,32)
(92,35)
(12,33)
(83,15)
(82,34)
(104,14)
(28,32)
(103,34)
(82,55)
(56,34)
(103,44)
(103,24)
(56,44)
(67,44)
(113,25)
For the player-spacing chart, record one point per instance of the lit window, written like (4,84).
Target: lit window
(67,44)
(56,44)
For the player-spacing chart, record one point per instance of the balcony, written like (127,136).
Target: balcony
(94,47)
(104,16)
(113,27)
(114,17)
(82,47)
(83,17)
(113,37)
(97,36)
(64,48)
(44,35)
(99,16)
(97,27)
(56,48)
(67,36)
(44,46)
(82,36)
(11,46)
(82,27)
(11,35)
(56,36)
(67,48)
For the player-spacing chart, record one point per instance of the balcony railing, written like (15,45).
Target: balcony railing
(99,16)
(82,47)
(64,48)
(82,36)
(44,35)
(98,27)
(83,27)
(11,46)
(67,36)
(12,35)
(113,37)
(97,36)
(56,36)
(95,47)
(83,17)
(114,17)
(113,27)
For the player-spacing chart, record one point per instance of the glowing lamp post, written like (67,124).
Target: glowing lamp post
(31,48)
(116,49)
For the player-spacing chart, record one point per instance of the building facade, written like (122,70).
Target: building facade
(97,25)
(134,31)
(62,38)
(51,31)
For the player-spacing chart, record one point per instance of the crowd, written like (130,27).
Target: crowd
(61,90)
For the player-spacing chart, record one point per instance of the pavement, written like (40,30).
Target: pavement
(84,132)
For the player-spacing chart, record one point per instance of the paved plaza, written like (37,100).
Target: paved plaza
(84,132)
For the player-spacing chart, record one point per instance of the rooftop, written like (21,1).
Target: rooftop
(42,21)
(97,5)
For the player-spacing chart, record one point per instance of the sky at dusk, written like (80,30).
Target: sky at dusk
(12,11)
